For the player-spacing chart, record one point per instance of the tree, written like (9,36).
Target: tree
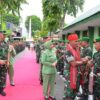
(35,23)
(12,6)
(54,11)
(70,7)
(11,18)
(52,14)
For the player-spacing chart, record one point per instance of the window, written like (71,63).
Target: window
(85,33)
(78,33)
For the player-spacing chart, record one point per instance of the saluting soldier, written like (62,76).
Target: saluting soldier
(4,62)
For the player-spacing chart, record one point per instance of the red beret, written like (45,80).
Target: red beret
(72,37)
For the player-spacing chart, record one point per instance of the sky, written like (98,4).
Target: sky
(35,8)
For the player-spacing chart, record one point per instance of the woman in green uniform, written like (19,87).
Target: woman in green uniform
(48,60)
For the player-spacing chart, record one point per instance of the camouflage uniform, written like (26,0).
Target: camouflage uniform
(38,52)
(85,52)
(60,63)
(68,92)
(3,68)
(96,58)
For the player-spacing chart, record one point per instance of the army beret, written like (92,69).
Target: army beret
(66,41)
(97,39)
(60,40)
(72,37)
(85,39)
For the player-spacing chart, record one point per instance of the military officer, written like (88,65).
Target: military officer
(96,60)
(12,52)
(60,53)
(4,62)
(48,59)
(38,51)
(86,53)
(72,62)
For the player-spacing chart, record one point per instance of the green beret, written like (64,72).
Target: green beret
(85,39)
(97,39)
(66,41)
(11,40)
(60,40)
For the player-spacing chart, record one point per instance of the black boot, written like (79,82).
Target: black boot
(2,92)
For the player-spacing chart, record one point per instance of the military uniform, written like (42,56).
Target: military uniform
(70,72)
(41,66)
(86,51)
(12,53)
(48,71)
(68,92)
(3,68)
(38,51)
(96,60)
(60,63)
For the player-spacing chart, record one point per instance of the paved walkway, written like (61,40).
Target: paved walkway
(27,85)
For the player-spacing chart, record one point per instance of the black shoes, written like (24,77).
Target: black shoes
(3,93)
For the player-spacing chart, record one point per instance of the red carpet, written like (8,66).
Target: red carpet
(27,86)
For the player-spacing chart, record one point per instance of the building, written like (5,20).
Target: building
(87,24)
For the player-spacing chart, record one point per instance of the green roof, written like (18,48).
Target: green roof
(88,14)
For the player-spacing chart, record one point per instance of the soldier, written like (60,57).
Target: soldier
(96,60)
(41,65)
(60,53)
(48,60)
(72,63)
(4,62)
(86,53)
(38,51)
(11,63)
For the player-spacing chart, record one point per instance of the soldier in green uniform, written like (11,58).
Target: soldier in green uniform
(4,62)
(48,59)
(38,51)
(41,65)
(11,63)
(60,53)
(72,63)
(86,53)
(96,60)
